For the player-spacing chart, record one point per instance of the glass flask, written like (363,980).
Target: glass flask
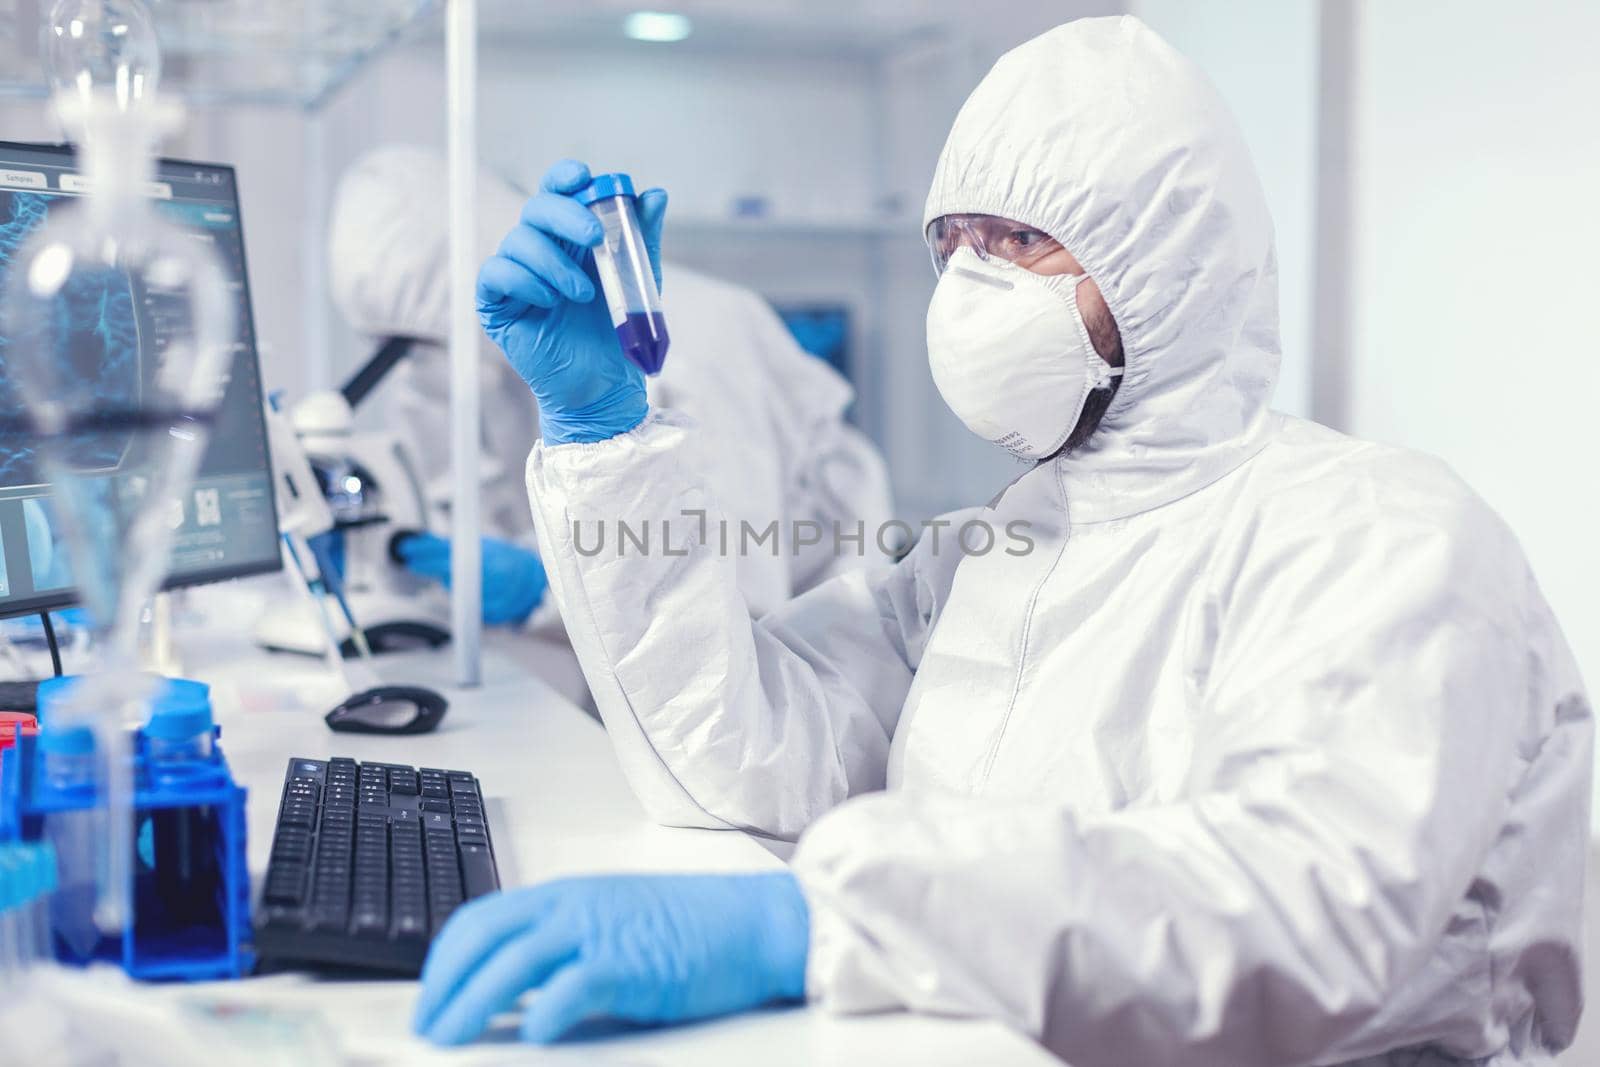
(116,327)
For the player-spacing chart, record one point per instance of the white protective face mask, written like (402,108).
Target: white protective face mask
(1010,353)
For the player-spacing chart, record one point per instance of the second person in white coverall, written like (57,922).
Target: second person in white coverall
(1259,748)
(781,450)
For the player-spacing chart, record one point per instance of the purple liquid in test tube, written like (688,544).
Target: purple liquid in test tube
(644,339)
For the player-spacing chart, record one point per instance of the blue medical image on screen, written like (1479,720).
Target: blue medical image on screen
(47,546)
(102,336)
(93,324)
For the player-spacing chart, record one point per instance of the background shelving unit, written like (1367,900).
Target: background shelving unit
(288,53)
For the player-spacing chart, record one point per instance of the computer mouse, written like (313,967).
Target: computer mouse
(389,709)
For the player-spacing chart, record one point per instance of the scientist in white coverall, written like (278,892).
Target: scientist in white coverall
(780,448)
(1260,748)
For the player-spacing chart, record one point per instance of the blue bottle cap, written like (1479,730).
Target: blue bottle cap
(53,693)
(603,187)
(180,709)
(178,724)
(180,694)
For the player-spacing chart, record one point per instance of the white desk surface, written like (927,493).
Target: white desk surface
(558,804)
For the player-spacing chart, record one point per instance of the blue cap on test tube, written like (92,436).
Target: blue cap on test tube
(626,278)
(53,693)
(67,754)
(603,186)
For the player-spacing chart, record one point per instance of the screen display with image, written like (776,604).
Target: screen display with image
(228,525)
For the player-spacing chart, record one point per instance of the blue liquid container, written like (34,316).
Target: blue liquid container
(626,279)
(190,887)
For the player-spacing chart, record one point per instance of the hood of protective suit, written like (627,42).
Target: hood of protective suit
(389,237)
(1103,136)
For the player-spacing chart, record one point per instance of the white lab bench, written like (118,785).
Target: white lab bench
(557,805)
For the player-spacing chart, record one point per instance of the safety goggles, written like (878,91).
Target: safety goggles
(990,236)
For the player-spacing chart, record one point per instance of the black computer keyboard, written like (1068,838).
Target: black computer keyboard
(368,861)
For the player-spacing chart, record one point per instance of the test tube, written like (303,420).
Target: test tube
(104,704)
(68,758)
(623,263)
(27,878)
(39,907)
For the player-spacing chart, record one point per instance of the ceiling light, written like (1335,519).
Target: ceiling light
(656,26)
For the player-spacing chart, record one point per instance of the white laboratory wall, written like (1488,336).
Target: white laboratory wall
(794,131)
(1477,330)
(1262,56)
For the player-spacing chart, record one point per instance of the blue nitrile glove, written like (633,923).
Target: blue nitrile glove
(538,299)
(646,948)
(513,577)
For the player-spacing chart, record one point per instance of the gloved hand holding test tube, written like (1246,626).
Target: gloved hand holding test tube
(537,300)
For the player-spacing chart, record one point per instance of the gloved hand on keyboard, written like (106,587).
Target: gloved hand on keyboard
(645,948)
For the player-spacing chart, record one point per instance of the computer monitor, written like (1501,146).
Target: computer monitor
(230,523)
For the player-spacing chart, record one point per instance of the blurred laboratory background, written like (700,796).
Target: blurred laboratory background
(1431,165)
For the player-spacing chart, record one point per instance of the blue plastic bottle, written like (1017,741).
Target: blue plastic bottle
(623,263)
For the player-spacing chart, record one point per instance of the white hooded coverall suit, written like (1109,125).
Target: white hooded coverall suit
(1269,751)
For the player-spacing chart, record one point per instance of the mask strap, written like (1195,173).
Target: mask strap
(1105,373)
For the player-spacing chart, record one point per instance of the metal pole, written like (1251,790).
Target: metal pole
(466,614)
(1332,351)
(314,287)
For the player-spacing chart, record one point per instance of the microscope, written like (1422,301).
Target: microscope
(370,493)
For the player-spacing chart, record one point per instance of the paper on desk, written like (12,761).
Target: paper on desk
(100,1018)
(78,1018)
(375,1028)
